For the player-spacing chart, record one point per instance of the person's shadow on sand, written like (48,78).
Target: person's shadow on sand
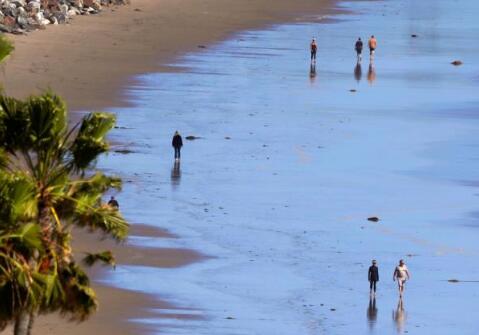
(399,316)
(176,174)
(371,73)
(312,73)
(358,72)
(372,312)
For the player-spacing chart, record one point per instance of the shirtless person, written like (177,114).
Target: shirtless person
(372,43)
(401,274)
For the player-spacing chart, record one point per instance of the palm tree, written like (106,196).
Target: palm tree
(48,186)
(6,47)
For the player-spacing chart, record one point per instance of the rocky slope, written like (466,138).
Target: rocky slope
(20,16)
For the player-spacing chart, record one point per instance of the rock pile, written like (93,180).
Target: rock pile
(20,16)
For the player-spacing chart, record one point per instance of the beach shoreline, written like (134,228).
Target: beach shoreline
(289,164)
(92,60)
(119,307)
(90,63)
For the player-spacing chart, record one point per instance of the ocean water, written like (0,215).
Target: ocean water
(290,164)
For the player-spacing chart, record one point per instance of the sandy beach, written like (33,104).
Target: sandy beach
(92,59)
(262,228)
(90,63)
(291,162)
(118,307)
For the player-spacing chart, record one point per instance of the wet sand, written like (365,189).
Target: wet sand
(91,61)
(290,164)
(119,308)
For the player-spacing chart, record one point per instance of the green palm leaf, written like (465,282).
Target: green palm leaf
(105,257)
(46,186)
(90,141)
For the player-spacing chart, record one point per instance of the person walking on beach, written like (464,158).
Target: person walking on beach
(113,203)
(314,49)
(359,48)
(177,143)
(401,274)
(373,277)
(372,43)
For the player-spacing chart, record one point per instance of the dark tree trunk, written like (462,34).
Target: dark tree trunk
(31,322)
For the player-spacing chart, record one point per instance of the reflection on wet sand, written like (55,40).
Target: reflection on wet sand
(399,316)
(358,72)
(312,72)
(176,173)
(372,312)
(371,73)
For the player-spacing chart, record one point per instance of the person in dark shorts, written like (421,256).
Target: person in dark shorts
(359,48)
(177,143)
(113,203)
(373,277)
(314,49)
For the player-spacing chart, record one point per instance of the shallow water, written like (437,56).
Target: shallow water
(289,166)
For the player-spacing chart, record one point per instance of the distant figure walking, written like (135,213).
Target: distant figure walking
(372,43)
(373,277)
(314,49)
(113,203)
(401,274)
(359,49)
(177,143)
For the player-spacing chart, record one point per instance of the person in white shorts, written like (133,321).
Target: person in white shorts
(401,274)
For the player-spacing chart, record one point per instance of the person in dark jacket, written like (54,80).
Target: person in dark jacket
(177,143)
(359,48)
(373,277)
(113,203)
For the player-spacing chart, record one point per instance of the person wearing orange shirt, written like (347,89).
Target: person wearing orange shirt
(372,43)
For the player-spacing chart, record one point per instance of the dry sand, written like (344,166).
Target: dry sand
(89,61)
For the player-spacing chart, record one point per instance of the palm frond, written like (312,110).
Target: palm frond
(17,199)
(103,218)
(45,187)
(80,298)
(106,257)
(6,47)
(14,124)
(4,159)
(29,235)
(90,141)
(47,116)
(51,290)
